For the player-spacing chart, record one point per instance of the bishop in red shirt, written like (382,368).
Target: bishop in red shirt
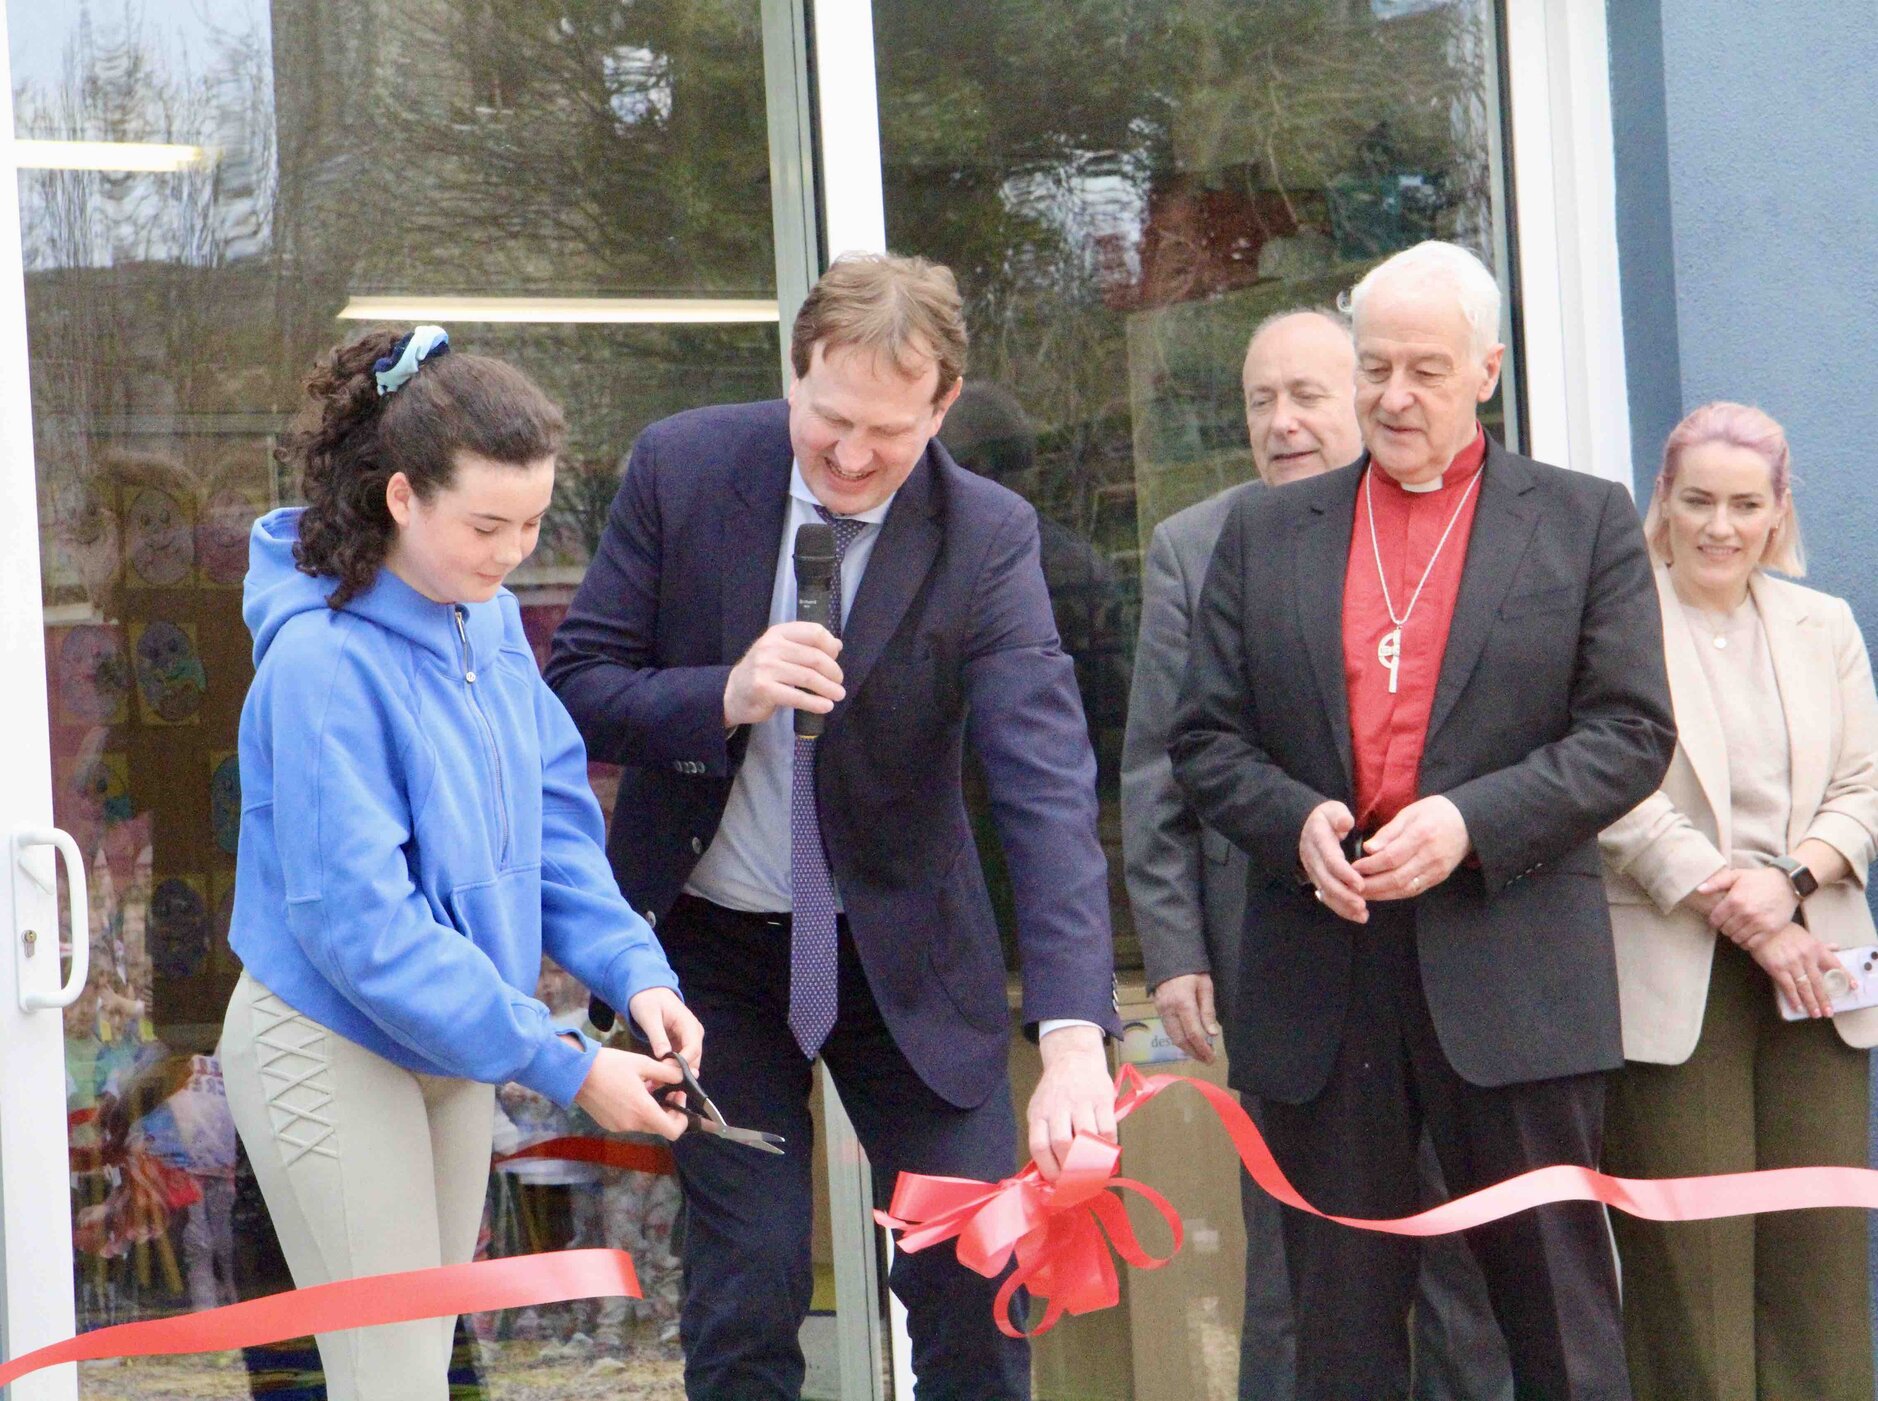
(1450,656)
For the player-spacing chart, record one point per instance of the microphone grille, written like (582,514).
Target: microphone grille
(815,551)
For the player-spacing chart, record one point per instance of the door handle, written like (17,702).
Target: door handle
(78,916)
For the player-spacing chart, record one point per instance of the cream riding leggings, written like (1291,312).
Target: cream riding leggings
(367,1169)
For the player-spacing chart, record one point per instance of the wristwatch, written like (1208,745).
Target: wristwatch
(1798,874)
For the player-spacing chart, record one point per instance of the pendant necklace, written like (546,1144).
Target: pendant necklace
(1389,650)
(1715,635)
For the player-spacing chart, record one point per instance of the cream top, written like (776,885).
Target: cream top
(1733,648)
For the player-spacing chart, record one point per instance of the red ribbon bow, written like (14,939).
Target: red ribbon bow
(1055,1229)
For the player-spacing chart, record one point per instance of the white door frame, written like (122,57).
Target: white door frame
(853,219)
(1565,224)
(789,55)
(35,1187)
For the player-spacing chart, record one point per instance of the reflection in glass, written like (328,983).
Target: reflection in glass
(213,185)
(1124,192)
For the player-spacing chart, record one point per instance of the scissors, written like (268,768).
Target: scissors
(705,1116)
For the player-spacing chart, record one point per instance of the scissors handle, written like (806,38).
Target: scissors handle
(706,1117)
(693,1091)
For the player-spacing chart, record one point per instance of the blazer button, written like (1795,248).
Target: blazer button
(697,846)
(652,919)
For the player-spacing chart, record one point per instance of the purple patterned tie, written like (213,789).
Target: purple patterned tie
(812,958)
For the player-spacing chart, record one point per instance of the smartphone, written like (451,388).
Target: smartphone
(1857,987)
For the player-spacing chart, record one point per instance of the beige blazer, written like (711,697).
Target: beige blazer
(1675,839)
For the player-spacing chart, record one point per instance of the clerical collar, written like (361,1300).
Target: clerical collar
(1469,459)
(799,488)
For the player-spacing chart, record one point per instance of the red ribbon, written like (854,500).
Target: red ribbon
(520,1282)
(608,1152)
(1051,1227)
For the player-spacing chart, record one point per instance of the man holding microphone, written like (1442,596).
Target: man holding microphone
(821,896)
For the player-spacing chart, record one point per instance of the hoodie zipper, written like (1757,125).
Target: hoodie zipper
(489,734)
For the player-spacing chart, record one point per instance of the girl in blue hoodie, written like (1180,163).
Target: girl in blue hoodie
(416,829)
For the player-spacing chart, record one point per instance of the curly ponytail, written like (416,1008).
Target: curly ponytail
(349,442)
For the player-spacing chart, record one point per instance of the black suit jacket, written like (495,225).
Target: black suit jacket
(950,637)
(1551,720)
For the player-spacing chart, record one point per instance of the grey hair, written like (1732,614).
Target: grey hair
(1445,265)
(1329,313)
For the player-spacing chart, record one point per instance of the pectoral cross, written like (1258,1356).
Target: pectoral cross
(1389,653)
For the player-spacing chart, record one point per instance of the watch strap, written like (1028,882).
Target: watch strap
(1799,875)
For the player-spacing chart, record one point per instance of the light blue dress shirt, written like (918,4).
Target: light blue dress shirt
(746,866)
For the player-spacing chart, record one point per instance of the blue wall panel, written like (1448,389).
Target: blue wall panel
(1747,183)
(1769,123)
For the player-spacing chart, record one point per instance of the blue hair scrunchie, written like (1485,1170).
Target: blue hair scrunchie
(393,370)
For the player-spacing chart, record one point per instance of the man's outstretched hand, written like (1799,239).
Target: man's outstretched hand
(1076,1095)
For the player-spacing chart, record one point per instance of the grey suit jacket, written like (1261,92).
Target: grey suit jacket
(1551,720)
(1186,882)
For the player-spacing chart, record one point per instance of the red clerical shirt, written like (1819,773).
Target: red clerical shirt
(1387,731)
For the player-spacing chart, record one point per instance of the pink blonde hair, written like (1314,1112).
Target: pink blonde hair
(1741,426)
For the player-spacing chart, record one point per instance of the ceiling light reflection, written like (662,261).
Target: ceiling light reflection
(124,156)
(615,310)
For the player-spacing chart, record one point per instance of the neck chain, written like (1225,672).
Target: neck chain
(1706,621)
(1389,650)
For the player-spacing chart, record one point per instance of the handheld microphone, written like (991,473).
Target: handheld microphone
(815,575)
(814,557)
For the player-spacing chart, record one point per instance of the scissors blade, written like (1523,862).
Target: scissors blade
(706,1117)
(750,1138)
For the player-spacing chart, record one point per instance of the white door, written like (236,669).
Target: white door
(36,1234)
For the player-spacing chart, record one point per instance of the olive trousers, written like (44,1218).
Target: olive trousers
(1772,1307)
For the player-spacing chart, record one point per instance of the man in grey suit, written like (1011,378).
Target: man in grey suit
(1187,883)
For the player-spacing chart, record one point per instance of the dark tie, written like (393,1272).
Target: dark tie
(812,958)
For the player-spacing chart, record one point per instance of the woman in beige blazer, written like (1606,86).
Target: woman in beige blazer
(1731,886)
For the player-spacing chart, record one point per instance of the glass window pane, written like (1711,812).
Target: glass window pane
(221,190)
(1125,191)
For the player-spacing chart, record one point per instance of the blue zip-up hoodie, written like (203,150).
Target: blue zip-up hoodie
(416,827)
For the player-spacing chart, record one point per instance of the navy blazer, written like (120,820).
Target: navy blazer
(950,636)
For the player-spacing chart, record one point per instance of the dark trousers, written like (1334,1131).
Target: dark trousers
(1458,1352)
(747,1214)
(1352,1150)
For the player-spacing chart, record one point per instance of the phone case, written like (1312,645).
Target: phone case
(1859,989)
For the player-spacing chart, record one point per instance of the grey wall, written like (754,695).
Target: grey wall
(1747,147)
